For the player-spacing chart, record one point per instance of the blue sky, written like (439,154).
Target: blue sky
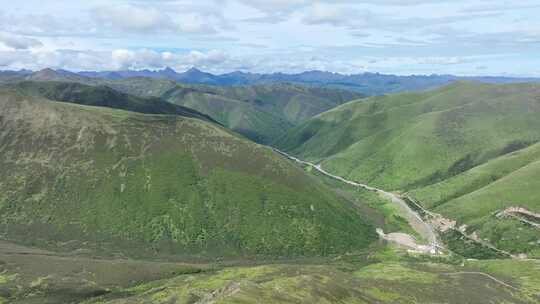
(473,37)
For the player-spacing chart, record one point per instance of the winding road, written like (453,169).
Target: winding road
(425,230)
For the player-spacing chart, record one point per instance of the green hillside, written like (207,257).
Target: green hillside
(103,96)
(475,196)
(242,117)
(383,280)
(380,283)
(405,141)
(466,151)
(263,112)
(501,170)
(141,86)
(295,103)
(147,184)
(382,275)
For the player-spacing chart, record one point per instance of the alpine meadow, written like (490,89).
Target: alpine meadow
(245,151)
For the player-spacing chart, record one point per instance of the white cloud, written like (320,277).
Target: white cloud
(122,59)
(274,6)
(37,24)
(119,59)
(146,19)
(195,23)
(14,59)
(141,59)
(321,13)
(19,42)
(209,58)
(273,11)
(130,17)
(290,35)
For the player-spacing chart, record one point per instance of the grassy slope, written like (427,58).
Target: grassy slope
(104,96)
(454,149)
(377,275)
(160,183)
(408,140)
(480,177)
(263,112)
(384,281)
(381,212)
(474,196)
(30,275)
(141,86)
(295,103)
(519,188)
(260,112)
(242,117)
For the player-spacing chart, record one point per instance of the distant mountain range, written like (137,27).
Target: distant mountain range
(365,83)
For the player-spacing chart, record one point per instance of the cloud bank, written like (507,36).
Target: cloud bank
(403,37)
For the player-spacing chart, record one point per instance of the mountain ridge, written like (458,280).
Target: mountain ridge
(262,112)
(367,83)
(104,96)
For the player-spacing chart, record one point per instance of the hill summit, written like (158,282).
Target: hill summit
(146,184)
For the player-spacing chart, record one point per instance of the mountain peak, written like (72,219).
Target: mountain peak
(168,70)
(46,71)
(45,74)
(49,74)
(194,70)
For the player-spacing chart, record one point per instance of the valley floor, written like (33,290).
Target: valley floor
(430,227)
(424,229)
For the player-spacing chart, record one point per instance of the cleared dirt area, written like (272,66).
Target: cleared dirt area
(405,241)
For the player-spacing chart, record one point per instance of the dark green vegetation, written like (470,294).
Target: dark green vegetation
(380,212)
(151,184)
(466,151)
(103,96)
(262,113)
(53,75)
(476,195)
(408,140)
(460,244)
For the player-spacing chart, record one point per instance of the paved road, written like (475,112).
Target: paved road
(419,225)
